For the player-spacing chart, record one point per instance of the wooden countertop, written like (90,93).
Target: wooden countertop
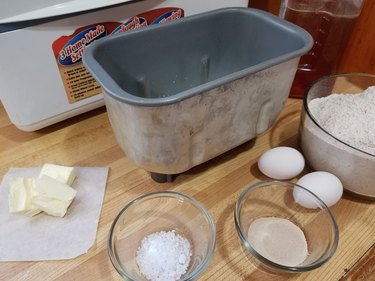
(87,140)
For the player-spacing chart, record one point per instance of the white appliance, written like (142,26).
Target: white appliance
(42,79)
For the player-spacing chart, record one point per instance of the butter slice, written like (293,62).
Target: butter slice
(20,197)
(63,174)
(52,196)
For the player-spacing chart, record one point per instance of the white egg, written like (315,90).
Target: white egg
(324,185)
(281,163)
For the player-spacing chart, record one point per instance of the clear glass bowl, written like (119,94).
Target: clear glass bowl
(276,199)
(155,212)
(324,151)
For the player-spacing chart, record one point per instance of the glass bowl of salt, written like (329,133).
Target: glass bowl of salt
(279,232)
(165,236)
(337,131)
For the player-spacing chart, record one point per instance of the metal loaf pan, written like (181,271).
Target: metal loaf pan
(181,93)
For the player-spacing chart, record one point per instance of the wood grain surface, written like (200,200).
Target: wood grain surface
(87,140)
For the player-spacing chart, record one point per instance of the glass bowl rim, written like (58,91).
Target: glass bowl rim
(263,259)
(172,194)
(311,116)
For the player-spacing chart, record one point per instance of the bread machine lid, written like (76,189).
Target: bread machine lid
(15,11)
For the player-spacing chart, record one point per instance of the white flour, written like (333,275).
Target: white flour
(348,117)
(163,256)
(345,115)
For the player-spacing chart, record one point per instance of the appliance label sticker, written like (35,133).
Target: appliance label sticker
(68,50)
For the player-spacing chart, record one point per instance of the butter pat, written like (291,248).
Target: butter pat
(63,174)
(20,197)
(52,196)
(51,192)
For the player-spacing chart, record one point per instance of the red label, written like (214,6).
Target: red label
(68,50)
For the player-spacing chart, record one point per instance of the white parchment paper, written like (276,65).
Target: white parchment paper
(44,237)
